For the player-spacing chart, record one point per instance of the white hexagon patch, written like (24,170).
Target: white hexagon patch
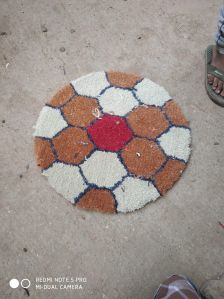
(151,93)
(66,180)
(134,193)
(49,123)
(176,143)
(91,85)
(103,169)
(117,101)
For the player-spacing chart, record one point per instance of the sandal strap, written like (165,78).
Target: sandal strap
(212,70)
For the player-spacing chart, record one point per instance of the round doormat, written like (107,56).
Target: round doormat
(112,142)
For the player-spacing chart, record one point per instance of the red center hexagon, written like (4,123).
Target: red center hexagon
(110,133)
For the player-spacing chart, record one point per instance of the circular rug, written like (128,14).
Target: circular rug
(112,142)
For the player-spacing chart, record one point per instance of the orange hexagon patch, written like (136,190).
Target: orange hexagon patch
(80,111)
(72,145)
(147,121)
(142,157)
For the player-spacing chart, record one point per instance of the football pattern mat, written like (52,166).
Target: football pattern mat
(112,142)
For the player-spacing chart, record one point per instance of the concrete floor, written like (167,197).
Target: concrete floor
(121,256)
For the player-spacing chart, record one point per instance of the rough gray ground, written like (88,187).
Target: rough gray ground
(122,256)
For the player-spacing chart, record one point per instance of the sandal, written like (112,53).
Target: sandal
(210,69)
(178,287)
